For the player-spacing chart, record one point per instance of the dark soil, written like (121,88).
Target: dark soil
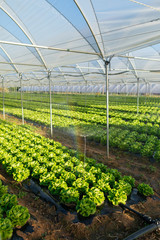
(45,224)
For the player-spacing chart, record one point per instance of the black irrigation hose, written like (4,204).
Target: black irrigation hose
(154,224)
(141,232)
(143,216)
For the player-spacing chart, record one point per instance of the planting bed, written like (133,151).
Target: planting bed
(129,131)
(60,171)
(123,223)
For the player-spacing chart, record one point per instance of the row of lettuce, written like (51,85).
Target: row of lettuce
(83,184)
(81,99)
(127,113)
(134,136)
(12,214)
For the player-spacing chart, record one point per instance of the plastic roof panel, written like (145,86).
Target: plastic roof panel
(51,34)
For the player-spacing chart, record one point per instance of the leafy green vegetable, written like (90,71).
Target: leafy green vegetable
(3,189)
(57,185)
(90,178)
(115,173)
(81,185)
(1,212)
(68,177)
(129,179)
(38,170)
(46,178)
(108,178)
(7,201)
(96,196)
(18,215)
(69,195)
(145,189)
(126,187)
(6,229)
(117,196)
(21,174)
(103,185)
(86,207)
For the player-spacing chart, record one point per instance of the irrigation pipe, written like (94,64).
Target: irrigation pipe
(141,232)
(154,224)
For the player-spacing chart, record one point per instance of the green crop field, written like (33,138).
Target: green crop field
(138,133)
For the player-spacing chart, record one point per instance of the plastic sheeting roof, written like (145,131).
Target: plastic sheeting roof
(46,34)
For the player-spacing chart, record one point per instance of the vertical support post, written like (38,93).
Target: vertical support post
(103,89)
(146,91)
(150,91)
(67,91)
(20,77)
(3,96)
(84,149)
(85,93)
(137,95)
(127,89)
(50,101)
(107,105)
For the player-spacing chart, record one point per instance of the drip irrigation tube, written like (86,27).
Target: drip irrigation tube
(154,224)
(141,232)
(146,218)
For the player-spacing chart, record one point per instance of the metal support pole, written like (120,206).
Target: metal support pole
(126,89)
(20,77)
(84,149)
(103,89)
(3,97)
(150,91)
(146,91)
(50,102)
(67,91)
(107,105)
(137,95)
(85,93)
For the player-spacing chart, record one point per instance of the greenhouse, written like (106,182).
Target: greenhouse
(79,120)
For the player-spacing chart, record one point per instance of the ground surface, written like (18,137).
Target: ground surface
(45,224)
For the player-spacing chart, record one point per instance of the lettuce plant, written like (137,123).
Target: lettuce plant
(69,195)
(21,174)
(103,185)
(3,189)
(90,178)
(145,189)
(68,177)
(81,185)
(125,186)
(96,195)
(7,201)
(86,207)
(117,196)
(129,179)
(108,178)
(115,173)
(6,229)
(57,185)
(18,215)
(46,178)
